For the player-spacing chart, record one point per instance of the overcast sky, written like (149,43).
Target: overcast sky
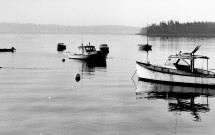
(105,12)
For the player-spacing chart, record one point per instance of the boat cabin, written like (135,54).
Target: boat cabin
(104,46)
(87,49)
(186,62)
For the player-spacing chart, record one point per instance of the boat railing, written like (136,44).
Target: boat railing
(198,71)
(203,72)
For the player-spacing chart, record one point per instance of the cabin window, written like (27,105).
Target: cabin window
(170,62)
(90,48)
(182,62)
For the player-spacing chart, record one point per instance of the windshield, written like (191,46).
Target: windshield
(90,48)
(172,62)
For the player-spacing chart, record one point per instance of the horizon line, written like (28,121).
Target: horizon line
(70,25)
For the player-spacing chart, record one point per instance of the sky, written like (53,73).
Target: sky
(105,12)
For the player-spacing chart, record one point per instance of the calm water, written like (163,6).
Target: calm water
(40,96)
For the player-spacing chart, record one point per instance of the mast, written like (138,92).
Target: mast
(147,57)
(147,33)
(207,67)
(192,63)
(82,45)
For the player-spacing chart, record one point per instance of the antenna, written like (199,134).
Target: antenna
(82,38)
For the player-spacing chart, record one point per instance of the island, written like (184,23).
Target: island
(177,29)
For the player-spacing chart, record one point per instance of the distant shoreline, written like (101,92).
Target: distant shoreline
(180,35)
(17,28)
(45,33)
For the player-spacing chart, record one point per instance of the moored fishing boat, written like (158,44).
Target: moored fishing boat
(87,52)
(61,47)
(179,68)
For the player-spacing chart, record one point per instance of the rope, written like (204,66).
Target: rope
(134,74)
(133,80)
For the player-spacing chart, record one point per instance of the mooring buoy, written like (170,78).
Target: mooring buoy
(78,77)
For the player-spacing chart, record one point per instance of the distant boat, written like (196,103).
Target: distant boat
(145,47)
(8,49)
(178,69)
(104,48)
(61,46)
(87,52)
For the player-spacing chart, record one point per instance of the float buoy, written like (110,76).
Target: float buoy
(78,77)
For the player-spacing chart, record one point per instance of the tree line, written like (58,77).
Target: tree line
(175,28)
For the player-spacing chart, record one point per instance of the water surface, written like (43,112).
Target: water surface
(40,96)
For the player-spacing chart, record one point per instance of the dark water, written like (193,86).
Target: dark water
(40,96)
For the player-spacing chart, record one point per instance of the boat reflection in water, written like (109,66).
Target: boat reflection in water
(180,98)
(89,67)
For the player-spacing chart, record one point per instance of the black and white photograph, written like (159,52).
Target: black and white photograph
(107,67)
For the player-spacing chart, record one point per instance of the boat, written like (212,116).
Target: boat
(87,52)
(178,69)
(104,48)
(145,47)
(8,49)
(61,47)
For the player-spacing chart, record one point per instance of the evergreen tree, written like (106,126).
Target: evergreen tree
(175,28)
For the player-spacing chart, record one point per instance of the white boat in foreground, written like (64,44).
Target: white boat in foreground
(179,68)
(87,52)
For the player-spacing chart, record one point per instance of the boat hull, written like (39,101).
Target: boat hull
(104,50)
(96,55)
(7,50)
(61,47)
(79,56)
(149,72)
